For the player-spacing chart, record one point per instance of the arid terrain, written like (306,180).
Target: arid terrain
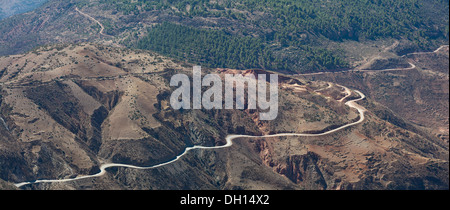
(67,109)
(85,95)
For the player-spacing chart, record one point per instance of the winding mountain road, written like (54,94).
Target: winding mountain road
(422,53)
(412,66)
(229,139)
(102,28)
(229,142)
(4,123)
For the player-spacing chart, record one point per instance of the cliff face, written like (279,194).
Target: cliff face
(304,169)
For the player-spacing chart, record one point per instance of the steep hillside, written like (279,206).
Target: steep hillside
(68,109)
(417,91)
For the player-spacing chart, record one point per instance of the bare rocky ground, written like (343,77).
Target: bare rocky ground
(70,108)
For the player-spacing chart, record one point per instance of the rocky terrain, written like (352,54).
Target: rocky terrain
(84,84)
(69,108)
(418,95)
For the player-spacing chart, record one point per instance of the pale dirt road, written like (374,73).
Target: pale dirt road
(412,66)
(102,28)
(229,139)
(229,142)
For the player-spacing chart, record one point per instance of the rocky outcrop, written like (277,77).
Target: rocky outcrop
(304,170)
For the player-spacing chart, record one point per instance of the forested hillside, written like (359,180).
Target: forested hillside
(282,35)
(216,48)
(265,33)
(336,20)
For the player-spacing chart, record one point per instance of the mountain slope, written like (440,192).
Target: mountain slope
(295,36)
(70,108)
(419,94)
